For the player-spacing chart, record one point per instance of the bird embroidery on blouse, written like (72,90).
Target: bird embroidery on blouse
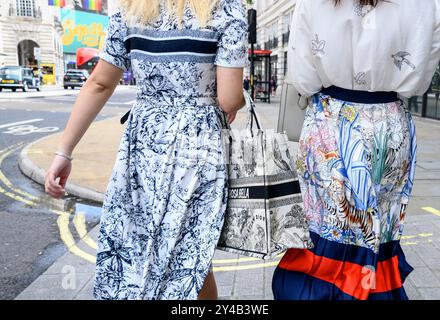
(360,80)
(318,46)
(400,58)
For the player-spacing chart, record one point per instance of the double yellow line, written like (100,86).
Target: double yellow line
(63,220)
(237,266)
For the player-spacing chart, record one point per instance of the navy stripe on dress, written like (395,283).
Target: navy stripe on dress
(171,45)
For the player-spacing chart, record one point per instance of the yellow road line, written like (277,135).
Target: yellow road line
(16,197)
(63,226)
(79,221)
(246,267)
(238,260)
(432,210)
(228,261)
(6,180)
(408,243)
(63,219)
(12,147)
(423,235)
(66,236)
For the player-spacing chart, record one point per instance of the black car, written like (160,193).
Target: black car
(75,78)
(17,77)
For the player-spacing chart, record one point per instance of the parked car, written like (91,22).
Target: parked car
(75,78)
(17,77)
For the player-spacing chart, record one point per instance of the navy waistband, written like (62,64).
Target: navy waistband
(357,96)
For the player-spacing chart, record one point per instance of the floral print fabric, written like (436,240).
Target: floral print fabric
(356,165)
(164,206)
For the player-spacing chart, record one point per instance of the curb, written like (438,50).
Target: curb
(37,174)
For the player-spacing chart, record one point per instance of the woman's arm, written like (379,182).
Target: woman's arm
(301,70)
(92,98)
(230,89)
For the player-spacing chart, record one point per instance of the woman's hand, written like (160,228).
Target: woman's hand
(60,168)
(231,116)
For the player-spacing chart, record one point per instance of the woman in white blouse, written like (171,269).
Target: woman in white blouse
(357,151)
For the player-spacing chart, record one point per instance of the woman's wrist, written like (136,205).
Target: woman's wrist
(63,155)
(65,148)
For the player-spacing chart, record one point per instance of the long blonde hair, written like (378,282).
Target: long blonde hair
(145,11)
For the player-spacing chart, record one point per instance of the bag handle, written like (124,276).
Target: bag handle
(252,113)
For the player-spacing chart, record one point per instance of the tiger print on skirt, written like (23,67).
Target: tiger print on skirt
(356,164)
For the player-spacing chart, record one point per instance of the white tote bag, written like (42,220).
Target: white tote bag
(265,213)
(292,112)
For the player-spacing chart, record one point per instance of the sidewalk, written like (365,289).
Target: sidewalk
(238,278)
(46,91)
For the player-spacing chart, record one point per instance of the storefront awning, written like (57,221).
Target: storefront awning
(261,52)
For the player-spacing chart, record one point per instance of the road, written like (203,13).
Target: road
(29,232)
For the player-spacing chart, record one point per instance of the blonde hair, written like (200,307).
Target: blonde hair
(145,11)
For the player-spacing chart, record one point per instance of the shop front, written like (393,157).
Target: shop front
(262,73)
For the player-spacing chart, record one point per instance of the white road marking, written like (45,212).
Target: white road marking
(7,125)
(130,102)
(28,129)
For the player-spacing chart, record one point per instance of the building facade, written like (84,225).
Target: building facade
(273,23)
(29,24)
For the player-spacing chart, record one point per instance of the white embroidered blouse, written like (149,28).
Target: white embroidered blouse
(393,47)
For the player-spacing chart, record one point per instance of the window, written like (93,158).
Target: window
(26,8)
(271,36)
(286,21)
(286,27)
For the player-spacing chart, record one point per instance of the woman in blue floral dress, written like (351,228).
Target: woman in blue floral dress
(164,206)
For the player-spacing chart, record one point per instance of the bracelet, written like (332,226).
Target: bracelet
(62,154)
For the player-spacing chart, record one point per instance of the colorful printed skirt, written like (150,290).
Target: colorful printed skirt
(356,165)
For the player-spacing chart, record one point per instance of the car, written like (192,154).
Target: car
(75,78)
(18,77)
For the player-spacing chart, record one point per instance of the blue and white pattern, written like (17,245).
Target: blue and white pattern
(164,206)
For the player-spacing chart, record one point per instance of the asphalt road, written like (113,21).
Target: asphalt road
(29,234)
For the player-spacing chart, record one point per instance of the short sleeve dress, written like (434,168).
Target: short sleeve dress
(165,202)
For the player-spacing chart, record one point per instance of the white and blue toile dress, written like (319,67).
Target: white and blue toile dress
(164,206)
